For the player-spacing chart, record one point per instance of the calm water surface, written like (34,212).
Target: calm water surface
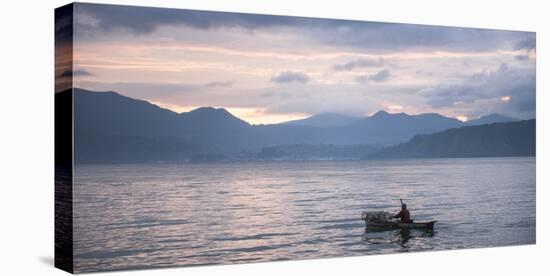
(136,216)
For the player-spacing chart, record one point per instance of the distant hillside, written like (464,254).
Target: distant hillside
(112,128)
(387,129)
(324,120)
(489,140)
(381,129)
(490,119)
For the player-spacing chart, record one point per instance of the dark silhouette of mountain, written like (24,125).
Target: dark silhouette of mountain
(489,140)
(427,121)
(387,129)
(381,129)
(490,119)
(112,113)
(324,120)
(217,130)
(112,128)
(215,118)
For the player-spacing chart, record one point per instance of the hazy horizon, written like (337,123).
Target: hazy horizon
(356,115)
(269,69)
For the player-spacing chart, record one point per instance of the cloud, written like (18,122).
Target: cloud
(390,37)
(485,90)
(145,20)
(197,58)
(359,63)
(381,76)
(76,73)
(289,76)
(64,26)
(149,91)
(504,67)
(374,36)
(522,57)
(219,84)
(528,44)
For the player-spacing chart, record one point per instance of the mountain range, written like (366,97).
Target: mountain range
(112,128)
(490,140)
(335,119)
(490,119)
(328,119)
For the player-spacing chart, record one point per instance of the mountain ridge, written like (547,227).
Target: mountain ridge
(489,119)
(487,140)
(325,119)
(111,127)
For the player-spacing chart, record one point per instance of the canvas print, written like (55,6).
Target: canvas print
(189,138)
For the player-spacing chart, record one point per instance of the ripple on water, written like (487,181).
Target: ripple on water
(166,215)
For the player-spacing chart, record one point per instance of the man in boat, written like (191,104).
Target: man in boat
(404,214)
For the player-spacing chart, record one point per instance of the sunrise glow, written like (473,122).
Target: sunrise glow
(462,118)
(278,71)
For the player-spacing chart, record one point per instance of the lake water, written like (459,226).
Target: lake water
(142,216)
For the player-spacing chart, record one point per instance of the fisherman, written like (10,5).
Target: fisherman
(404,214)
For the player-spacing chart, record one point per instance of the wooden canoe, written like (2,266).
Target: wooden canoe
(398,225)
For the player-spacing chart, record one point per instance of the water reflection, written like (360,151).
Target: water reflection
(405,239)
(403,236)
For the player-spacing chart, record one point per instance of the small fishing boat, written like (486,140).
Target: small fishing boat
(391,225)
(381,220)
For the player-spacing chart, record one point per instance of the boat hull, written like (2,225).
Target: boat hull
(397,225)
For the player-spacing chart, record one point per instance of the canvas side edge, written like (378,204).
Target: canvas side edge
(64,165)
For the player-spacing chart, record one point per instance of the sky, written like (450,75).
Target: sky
(269,69)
